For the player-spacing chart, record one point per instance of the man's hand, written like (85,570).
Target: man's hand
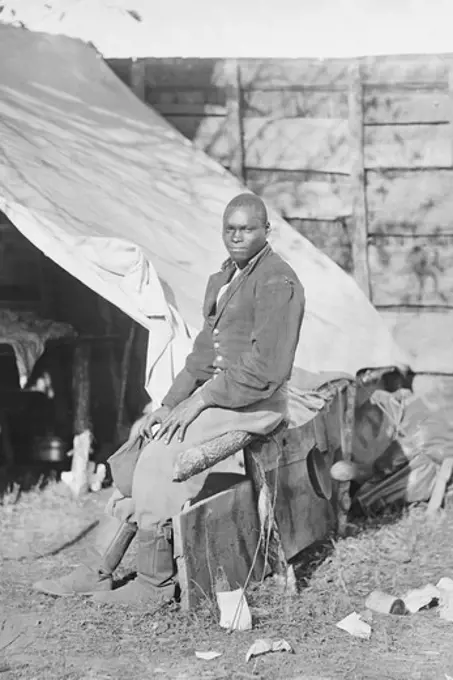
(157,417)
(180,418)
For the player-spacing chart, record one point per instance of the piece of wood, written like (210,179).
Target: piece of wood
(303,195)
(291,103)
(287,144)
(137,78)
(425,335)
(410,202)
(318,74)
(79,482)
(358,225)
(221,531)
(332,238)
(271,543)
(199,458)
(185,74)
(393,106)
(235,122)
(422,69)
(438,493)
(411,271)
(297,144)
(279,470)
(396,146)
(347,399)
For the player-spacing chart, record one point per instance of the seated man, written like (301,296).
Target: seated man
(234,379)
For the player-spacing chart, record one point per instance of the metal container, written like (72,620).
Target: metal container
(50,449)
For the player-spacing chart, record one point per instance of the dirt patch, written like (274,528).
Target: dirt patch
(44,533)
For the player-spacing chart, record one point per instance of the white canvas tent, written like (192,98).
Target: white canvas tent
(112,193)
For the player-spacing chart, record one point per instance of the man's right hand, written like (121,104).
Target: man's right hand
(151,420)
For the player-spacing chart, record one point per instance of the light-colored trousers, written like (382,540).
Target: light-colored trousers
(155,497)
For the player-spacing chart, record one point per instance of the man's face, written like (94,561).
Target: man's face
(244,235)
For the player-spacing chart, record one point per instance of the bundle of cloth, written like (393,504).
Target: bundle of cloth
(400,442)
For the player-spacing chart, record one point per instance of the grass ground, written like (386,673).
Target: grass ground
(43,533)
(76,639)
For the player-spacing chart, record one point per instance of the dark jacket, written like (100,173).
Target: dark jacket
(248,343)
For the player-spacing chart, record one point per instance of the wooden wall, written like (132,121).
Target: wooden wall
(356,155)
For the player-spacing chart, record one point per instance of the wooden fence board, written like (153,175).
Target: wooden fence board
(271,73)
(323,197)
(297,144)
(423,69)
(184,73)
(411,271)
(287,103)
(426,335)
(288,144)
(332,238)
(411,146)
(412,203)
(405,107)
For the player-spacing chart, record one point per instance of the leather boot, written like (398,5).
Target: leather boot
(155,583)
(108,546)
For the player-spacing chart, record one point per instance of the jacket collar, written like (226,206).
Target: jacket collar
(228,263)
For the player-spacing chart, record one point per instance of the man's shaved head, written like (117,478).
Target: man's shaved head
(245,228)
(252,204)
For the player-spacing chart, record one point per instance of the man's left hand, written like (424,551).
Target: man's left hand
(180,418)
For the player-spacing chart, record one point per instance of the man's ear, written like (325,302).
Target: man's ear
(268,227)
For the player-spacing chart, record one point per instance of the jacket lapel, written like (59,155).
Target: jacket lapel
(236,284)
(215,284)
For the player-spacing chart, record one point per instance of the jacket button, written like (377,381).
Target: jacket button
(215,331)
(219,358)
(216,345)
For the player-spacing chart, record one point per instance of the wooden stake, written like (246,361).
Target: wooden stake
(359,231)
(79,482)
(442,479)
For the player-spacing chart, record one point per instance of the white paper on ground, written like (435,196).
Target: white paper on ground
(420,597)
(445,583)
(208,656)
(265,645)
(354,625)
(234,610)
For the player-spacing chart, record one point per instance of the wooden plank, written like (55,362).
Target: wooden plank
(137,78)
(222,530)
(184,99)
(332,238)
(235,122)
(358,224)
(291,103)
(411,271)
(262,74)
(301,516)
(408,146)
(181,109)
(297,144)
(395,106)
(306,196)
(410,203)
(426,335)
(287,144)
(184,73)
(423,69)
